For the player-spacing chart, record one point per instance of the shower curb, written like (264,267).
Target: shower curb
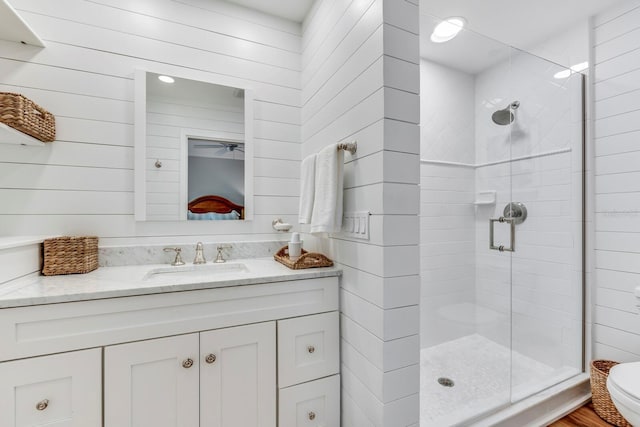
(543,408)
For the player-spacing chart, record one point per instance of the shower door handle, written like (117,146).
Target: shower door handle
(512,234)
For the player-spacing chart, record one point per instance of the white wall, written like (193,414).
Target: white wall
(447,114)
(83,182)
(360,80)
(447,214)
(222,177)
(616,47)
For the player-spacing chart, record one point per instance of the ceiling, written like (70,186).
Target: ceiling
(520,23)
(293,10)
(523,24)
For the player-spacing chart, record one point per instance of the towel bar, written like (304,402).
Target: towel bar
(351,147)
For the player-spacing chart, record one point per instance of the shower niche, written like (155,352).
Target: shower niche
(501,142)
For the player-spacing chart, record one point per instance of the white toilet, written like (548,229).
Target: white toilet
(623,384)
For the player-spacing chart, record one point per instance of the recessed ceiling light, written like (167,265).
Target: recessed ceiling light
(166,79)
(448,29)
(574,69)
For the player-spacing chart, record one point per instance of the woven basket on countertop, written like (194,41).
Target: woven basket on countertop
(305,260)
(601,399)
(26,116)
(70,255)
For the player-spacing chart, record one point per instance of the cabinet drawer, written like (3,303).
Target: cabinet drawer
(308,348)
(312,404)
(58,390)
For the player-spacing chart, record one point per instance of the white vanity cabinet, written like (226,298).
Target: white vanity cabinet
(60,390)
(196,379)
(219,357)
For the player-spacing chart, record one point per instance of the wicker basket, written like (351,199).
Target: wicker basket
(602,403)
(70,255)
(26,116)
(306,260)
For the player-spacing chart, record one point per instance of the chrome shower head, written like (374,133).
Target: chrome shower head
(505,116)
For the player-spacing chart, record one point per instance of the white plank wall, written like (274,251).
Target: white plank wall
(360,80)
(617,193)
(83,182)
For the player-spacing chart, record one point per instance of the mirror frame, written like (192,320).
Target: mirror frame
(140,142)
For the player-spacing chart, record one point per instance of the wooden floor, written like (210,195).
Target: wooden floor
(582,417)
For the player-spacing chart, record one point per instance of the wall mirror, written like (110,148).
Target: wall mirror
(193,149)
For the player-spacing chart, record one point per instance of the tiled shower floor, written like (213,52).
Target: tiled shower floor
(482,375)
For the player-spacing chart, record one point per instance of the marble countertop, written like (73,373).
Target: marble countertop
(113,282)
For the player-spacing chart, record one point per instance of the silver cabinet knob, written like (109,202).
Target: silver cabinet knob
(311,415)
(311,349)
(187,363)
(42,405)
(211,358)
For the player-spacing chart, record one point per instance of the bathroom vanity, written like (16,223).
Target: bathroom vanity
(249,344)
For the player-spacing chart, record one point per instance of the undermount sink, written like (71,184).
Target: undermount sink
(196,273)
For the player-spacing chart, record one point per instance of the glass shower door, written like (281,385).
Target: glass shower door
(546,146)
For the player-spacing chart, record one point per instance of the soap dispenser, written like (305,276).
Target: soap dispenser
(295,247)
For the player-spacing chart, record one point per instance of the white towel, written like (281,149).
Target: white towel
(307,188)
(327,202)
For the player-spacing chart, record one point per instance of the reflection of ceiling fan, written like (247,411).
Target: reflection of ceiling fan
(223,147)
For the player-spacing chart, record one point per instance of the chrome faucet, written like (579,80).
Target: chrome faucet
(178,251)
(199,259)
(219,259)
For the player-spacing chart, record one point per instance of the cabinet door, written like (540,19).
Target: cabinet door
(62,390)
(152,383)
(238,376)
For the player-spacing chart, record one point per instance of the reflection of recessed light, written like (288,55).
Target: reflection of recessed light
(447,29)
(166,79)
(574,69)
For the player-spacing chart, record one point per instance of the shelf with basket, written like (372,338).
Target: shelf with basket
(14,29)
(24,122)
(9,135)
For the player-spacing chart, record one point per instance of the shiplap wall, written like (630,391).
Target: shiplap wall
(616,50)
(360,80)
(83,182)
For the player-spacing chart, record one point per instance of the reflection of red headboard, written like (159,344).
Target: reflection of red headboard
(217,204)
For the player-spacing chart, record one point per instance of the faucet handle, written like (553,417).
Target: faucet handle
(219,257)
(199,259)
(178,251)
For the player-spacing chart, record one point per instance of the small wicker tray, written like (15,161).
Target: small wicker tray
(70,255)
(26,116)
(600,397)
(306,260)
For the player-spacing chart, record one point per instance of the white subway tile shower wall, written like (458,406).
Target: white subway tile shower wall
(616,86)
(531,300)
(447,214)
(360,80)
